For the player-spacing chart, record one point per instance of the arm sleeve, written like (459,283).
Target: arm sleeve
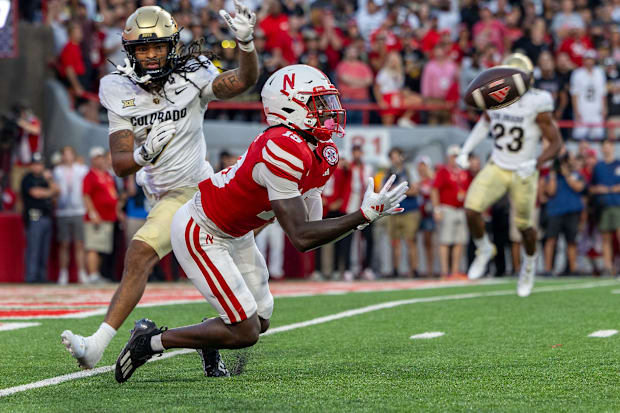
(204,78)
(277,187)
(546,103)
(117,123)
(314,203)
(477,134)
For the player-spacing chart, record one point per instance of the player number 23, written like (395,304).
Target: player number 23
(515,132)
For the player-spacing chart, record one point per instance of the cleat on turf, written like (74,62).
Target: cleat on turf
(138,350)
(212,363)
(84,349)
(526,279)
(483,256)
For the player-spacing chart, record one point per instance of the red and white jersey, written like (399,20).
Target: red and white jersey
(279,164)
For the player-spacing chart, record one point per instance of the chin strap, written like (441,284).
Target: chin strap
(129,71)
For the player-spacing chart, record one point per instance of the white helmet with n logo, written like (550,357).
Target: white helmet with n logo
(303,97)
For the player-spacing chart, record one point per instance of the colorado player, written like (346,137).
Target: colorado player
(513,167)
(280,175)
(156,105)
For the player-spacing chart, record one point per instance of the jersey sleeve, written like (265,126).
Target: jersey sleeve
(545,102)
(203,77)
(314,204)
(277,187)
(116,123)
(287,157)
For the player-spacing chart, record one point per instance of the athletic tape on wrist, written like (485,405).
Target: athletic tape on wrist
(247,47)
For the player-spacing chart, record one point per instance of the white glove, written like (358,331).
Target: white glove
(129,71)
(462,160)
(242,25)
(386,202)
(526,168)
(156,140)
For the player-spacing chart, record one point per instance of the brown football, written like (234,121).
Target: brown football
(497,87)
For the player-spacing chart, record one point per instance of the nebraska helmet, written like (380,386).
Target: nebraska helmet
(302,97)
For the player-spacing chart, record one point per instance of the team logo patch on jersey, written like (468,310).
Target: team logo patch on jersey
(331,155)
(128,103)
(500,94)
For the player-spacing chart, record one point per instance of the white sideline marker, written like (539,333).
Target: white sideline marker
(429,334)
(15,326)
(320,320)
(603,333)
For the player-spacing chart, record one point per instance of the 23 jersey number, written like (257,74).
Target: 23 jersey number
(516,132)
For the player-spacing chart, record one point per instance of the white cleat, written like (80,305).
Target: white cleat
(526,279)
(83,349)
(483,256)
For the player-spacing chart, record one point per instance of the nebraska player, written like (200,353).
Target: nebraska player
(281,175)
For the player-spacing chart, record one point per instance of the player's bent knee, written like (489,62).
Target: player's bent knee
(140,259)
(246,332)
(471,213)
(264,324)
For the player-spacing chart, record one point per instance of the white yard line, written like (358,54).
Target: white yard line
(6,326)
(603,333)
(320,320)
(427,335)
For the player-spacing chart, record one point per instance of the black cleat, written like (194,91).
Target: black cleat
(138,350)
(212,363)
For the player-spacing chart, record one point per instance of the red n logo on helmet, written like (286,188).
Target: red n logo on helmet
(288,81)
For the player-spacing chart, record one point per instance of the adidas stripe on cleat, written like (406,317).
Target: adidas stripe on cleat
(138,350)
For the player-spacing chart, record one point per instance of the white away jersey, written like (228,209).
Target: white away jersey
(182,163)
(515,130)
(589,88)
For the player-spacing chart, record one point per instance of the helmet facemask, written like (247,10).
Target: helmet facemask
(326,118)
(163,70)
(150,25)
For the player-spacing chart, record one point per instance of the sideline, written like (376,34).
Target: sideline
(320,320)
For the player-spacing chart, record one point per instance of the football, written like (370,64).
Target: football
(497,87)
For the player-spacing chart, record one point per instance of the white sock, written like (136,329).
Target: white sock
(482,242)
(530,258)
(156,344)
(104,334)
(64,273)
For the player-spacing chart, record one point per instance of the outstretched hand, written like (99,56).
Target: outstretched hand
(385,202)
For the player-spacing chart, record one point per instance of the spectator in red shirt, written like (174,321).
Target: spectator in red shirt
(576,44)
(353,77)
(274,24)
(331,38)
(101,200)
(72,66)
(490,29)
(448,196)
(427,224)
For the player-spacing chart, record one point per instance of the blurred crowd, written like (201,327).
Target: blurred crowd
(577,215)
(88,213)
(399,54)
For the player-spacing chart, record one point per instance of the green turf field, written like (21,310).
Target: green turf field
(499,353)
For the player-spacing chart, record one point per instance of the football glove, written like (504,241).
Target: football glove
(156,140)
(386,202)
(462,160)
(526,168)
(242,25)
(129,71)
